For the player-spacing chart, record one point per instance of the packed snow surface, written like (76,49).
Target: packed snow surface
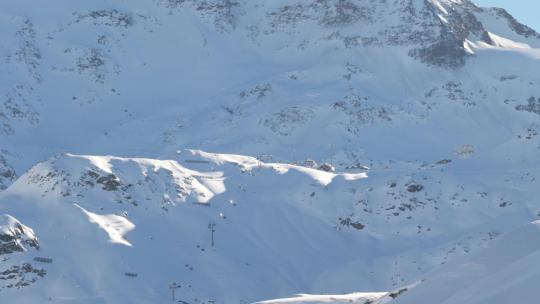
(356,298)
(115,226)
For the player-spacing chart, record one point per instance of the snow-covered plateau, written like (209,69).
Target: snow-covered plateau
(284,151)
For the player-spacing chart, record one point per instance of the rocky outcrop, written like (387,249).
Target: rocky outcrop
(113,18)
(7,173)
(220,12)
(16,108)
(517,27)
(434,30)
(20,276)
(14,236)
(533,106)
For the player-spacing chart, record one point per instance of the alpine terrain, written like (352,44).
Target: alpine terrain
(284,151)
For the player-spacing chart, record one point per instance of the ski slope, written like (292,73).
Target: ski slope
(371,152)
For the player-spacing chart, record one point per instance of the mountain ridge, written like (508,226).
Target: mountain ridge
(359,146)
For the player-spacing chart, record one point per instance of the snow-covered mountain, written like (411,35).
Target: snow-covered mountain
(386,143)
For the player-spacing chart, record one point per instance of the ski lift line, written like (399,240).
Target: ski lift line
(43,260)
(220,178)
(173,287)
(212,228)
(202,204)
(196,161)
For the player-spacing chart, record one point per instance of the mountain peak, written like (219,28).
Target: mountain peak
(435,31)
(298,100)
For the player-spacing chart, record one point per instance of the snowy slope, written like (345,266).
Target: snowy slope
(505,272)
(280,229)
(357,298)
(284,77)
(150,218)
(439,98)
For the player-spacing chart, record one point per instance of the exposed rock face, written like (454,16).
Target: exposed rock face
(414,187)
(533,106)
(112,18)
(327,167)
(457,24)
(16,108)
(221,12)
(7,173)
(20,276)
(16,98)
(28,53)
(434,30)
(327,13)
(14,236)
(517,27)
(286,121)
(171,183)
(110,182)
